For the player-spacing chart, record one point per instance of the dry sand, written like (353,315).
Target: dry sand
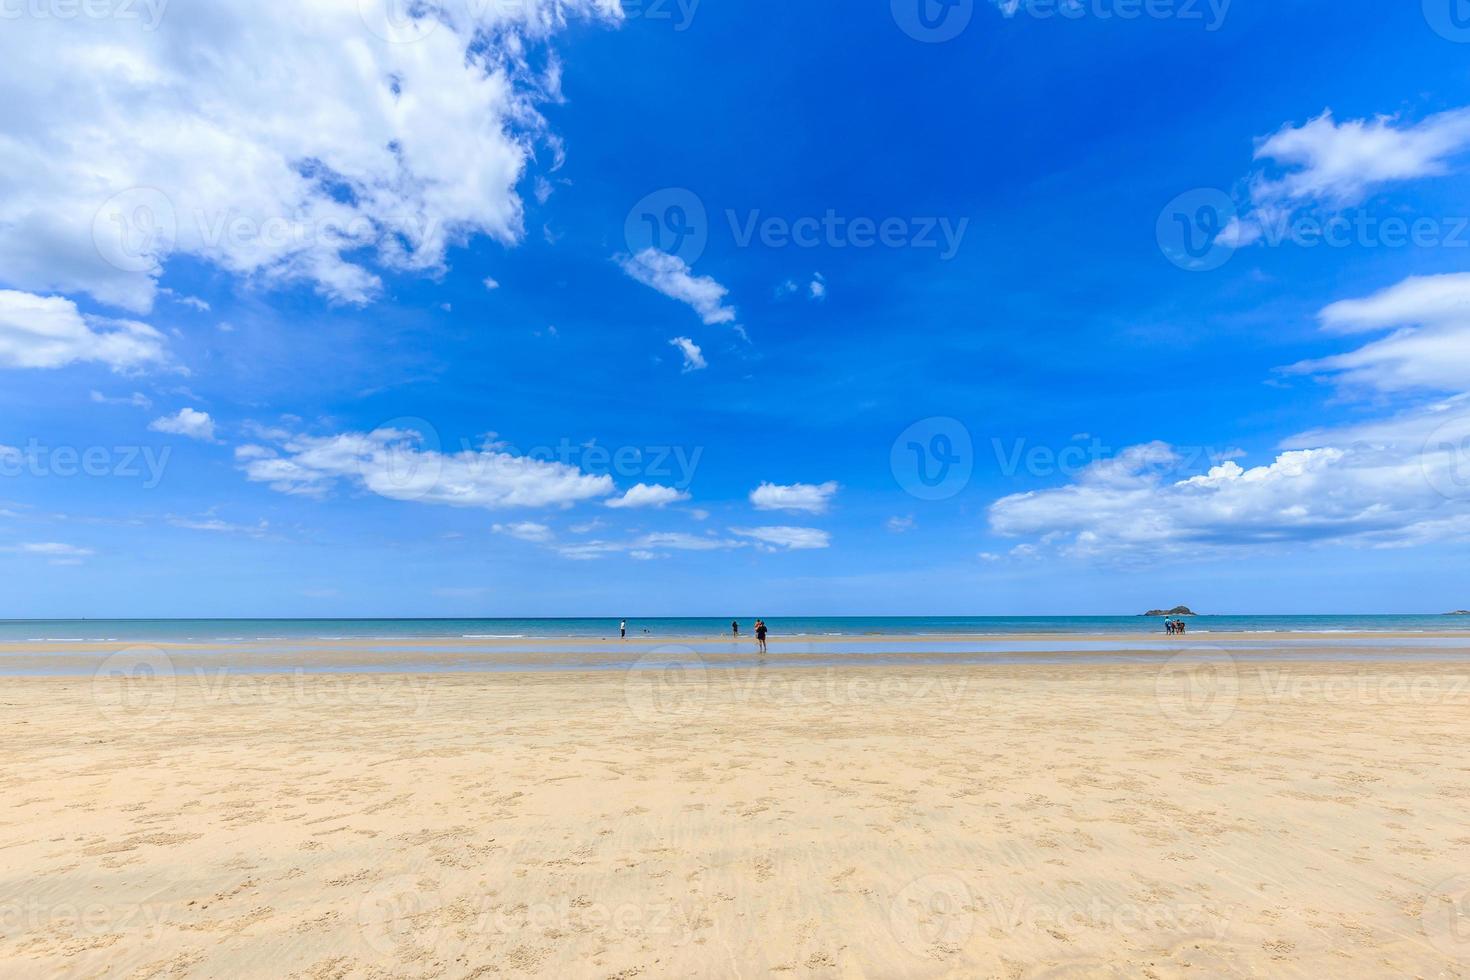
(1241,819)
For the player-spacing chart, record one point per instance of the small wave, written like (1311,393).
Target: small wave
(492,636)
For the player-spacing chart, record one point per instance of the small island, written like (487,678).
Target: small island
(1176,611)
(1459,612)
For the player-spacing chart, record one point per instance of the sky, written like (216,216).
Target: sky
(688,307)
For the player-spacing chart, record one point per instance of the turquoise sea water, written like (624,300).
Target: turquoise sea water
(216,630)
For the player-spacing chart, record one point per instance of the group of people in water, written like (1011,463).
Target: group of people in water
(760,631)
(1172,626)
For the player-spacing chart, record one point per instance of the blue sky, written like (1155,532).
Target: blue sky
(369,318)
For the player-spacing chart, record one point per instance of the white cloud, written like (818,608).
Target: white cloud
(186,123)
(1398,482)
(193,302)
(186,422)
(671,276)
(53,548)
(55,552)
(1324,165)
(791,538)
(491,283)
(1428,344)
(1340,163)
(899,525)
(648,495)
(525,531)
(816,289)
(49,332)
(650,543)
(685,542)
(805,498)
(395,464)
(137,399)
(693,356)
(214,525)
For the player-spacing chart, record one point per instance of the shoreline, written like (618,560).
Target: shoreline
(1153,638)
(510,656)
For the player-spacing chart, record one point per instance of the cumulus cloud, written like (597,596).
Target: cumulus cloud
(670,275)
(186,422)
(693,356)
(1395,481)
(648,495)
(49,332)
(126,146)
(396,464)
(790,538)
(804,498)
(1399,482)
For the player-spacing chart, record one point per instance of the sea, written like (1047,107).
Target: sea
(251,630)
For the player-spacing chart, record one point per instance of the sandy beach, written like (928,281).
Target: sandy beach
(1195,816)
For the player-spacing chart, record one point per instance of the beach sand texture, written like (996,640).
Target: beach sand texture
(1247,820)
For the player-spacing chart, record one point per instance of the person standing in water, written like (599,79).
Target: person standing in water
(623,629)
(735,628)
(760,634)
